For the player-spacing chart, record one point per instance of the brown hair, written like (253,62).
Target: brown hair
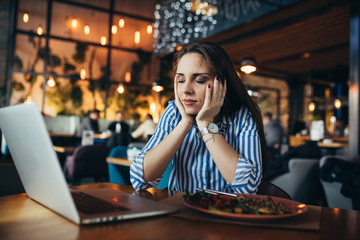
(236,93)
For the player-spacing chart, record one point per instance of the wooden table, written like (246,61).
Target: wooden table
(96,135)
(101,136)
(332,145)
(337,142)
(52,134)
(22,218)
(119,161)
(63,149)
(330,148)
(295,141)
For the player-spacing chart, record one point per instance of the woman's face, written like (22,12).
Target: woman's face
(193,76)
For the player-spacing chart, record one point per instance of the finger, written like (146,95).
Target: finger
(208,95)
(218,89)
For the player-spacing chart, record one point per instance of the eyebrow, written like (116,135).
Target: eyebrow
(195,74)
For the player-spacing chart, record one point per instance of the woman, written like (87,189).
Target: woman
(212,134)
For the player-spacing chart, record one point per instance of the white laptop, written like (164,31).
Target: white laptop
(40,172)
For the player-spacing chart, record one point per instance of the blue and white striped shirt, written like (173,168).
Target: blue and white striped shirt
(193,166)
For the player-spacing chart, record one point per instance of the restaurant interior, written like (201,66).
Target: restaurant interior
(73,56)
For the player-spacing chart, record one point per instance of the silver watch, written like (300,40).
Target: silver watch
(211,128)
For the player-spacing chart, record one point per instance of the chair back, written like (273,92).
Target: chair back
(302,181)
(88,161)
(119,174)
(165,178)
(269,189)
(332,189)
(119,151)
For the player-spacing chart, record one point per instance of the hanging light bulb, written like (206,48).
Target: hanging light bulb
(114,29)
(157,87)
(137,37)
(51,82)
(82,74)
(149,29)
(312,107)
(25,17)
(39,30)
(74,23)
(103,40)
(87,29)
(127,76)
(248,65)
(121,88)
(337,103)
(152,107)
(121,23)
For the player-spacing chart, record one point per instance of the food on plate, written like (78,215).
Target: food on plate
(242,204)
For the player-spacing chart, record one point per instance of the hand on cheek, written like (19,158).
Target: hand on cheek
(213,102)
(180,105)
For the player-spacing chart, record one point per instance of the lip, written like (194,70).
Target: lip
(189,102)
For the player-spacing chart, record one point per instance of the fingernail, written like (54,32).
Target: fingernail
(209,86)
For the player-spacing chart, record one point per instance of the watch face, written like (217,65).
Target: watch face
(213,128)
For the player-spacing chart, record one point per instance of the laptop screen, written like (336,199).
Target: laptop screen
(36,162)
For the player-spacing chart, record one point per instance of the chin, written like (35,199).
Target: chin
(191,111)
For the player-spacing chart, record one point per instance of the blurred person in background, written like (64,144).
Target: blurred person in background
(145,130)
(90,123)
(274,134)
(120,131)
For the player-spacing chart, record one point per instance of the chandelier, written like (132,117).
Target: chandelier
(183,21)
(180,22)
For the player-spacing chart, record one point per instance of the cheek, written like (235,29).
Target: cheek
(180,90)
(202,93)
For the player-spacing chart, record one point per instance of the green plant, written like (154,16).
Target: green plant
(137,67)
(68,67)
(76,96)
(58,96)
(18,64)
(129,102)
(79,55)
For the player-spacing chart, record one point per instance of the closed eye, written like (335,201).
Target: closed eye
(201,79)
(180,79)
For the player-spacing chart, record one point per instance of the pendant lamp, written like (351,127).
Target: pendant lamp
(248,65)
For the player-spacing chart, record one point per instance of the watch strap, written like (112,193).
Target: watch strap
(204,131)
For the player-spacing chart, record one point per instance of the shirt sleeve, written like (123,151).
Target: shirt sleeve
(248,173)
(165,125)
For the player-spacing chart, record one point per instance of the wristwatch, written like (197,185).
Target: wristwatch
(211,128)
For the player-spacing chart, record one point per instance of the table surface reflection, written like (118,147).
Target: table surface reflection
(22,218)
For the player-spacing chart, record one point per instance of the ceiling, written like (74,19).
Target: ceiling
(307,37)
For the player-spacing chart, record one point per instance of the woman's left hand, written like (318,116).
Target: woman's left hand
(214,100)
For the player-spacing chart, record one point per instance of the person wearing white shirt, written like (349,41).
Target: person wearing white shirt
(145,130)
(211,136)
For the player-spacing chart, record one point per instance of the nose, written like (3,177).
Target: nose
(188,87)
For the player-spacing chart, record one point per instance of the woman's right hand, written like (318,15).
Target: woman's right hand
(187,118)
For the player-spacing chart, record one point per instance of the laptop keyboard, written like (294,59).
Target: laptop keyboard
(88,204)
